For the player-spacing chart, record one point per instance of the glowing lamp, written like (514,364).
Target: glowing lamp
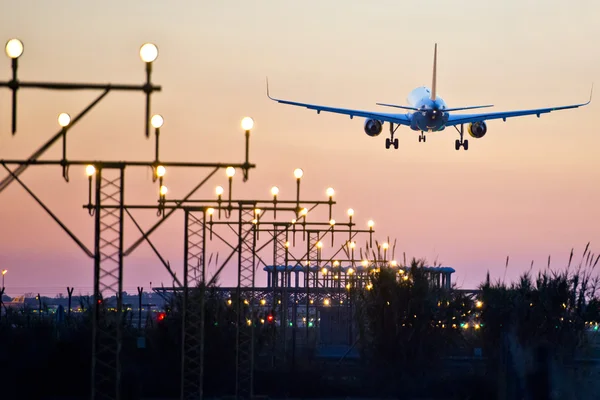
(319,244)
(247,123)
(330,192)
(332,222)
(163,190)
(64,119)
(304,211)
(371,224)
(210,211)
(148,52)
(350,212)
(274,190)
(385,246)
(14,48)
(230,171)
(157,121)
(219,190)
(298,173)
(161,171)
(324,271)
(90,170)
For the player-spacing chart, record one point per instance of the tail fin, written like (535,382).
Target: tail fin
(433,83)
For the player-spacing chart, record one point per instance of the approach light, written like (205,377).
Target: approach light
(304,212)
(148,52)
(219,190)
(350,271)
(14,48)
(163,190)
(371,224)
(210,211)
(257,211)
(160,171)
(230,171)
(385,246)
(479,304)
(324,271)
(319,244)
(336,263)
(330,192)
(274,190)
(332,222)
(90,170)
(298,173)
(64,119)
(350,212)
(352,245)
(247,123)
(394,263)
(365,263)
(4,271)
(157,121)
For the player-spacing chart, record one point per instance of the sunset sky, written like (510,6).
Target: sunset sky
(528,189)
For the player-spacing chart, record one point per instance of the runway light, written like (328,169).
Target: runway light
(330,192)
(64,119)
(157,121)
(274,190)
(298,173)
(14,48)
(219,190)
(90,170)
(161,171)
(163,190)
(230,171)
(247,123)
(148,52)
(350,212)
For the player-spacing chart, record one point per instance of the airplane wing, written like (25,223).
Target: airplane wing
(401,119)
(458,119)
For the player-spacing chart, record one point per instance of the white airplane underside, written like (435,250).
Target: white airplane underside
(428,112)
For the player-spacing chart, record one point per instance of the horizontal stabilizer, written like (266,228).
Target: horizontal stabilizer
(467,108)
(396,106)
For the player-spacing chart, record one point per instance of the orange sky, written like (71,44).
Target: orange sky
(528,189)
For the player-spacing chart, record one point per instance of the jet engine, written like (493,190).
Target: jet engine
(477,129)
(372,127)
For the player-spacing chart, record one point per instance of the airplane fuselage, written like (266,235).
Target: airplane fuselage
(431,116)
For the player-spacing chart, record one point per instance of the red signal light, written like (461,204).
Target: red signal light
(270,318)
(161,316)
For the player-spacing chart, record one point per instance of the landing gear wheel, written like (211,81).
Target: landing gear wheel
(424,138)
(457,144)
(420,138)
(396,143)
(466,145)
(387,143)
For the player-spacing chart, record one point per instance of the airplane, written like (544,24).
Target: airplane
(428,112)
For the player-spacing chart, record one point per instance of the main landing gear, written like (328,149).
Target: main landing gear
(422,137)
(391,141)
(460,142)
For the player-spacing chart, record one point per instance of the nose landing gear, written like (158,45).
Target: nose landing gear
(391,141)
